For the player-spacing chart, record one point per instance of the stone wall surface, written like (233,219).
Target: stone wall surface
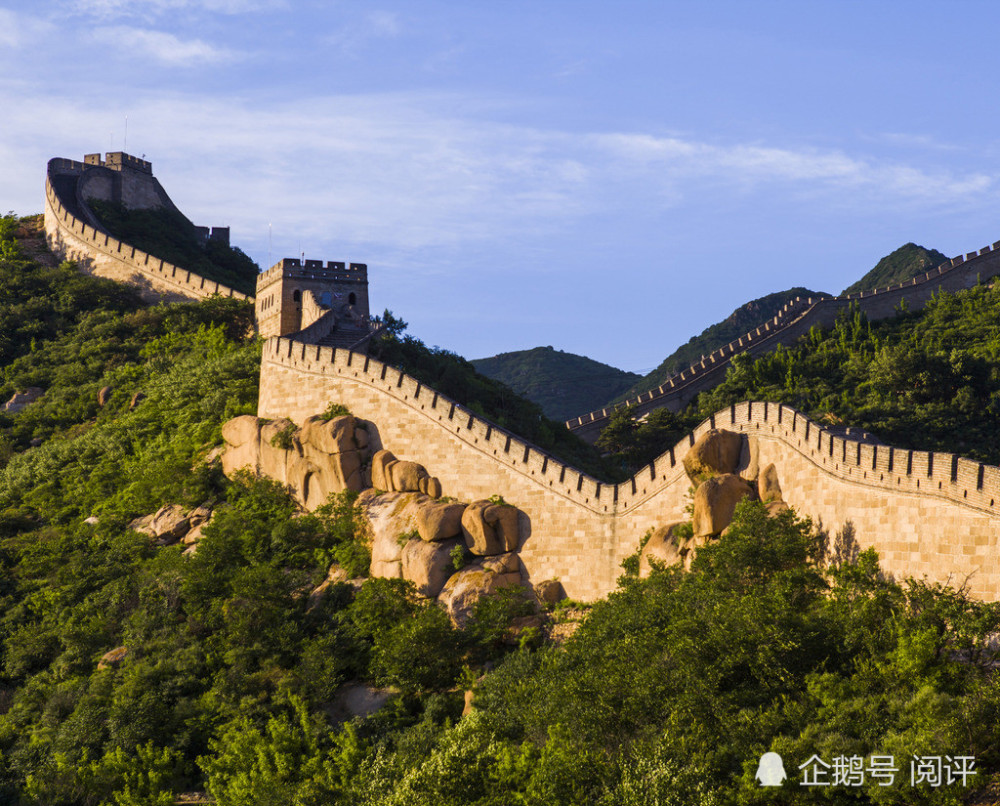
(932,514)
(794,321)
(98,253)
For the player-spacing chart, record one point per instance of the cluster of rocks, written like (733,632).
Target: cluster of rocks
(422,539)
(724,468)
(322,457)
(172,524)
(454,552)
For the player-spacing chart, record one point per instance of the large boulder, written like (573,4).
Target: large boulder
(768,487)
(491,528)
(663,547)
(715,501)
(716,452)
(440,521)
(428,565)
(550,591)
(170,524)
(104,396)
(466,587)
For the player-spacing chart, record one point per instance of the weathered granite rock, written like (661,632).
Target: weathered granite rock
(170,524)
(550,591)
(321,457)
(776,507)
(768,487)
(716,452)
(428,565)
(143,525)
(466,587)
(715,501)
(22,399)
(380,479)
(104,396)
(491,528)
(137,398)
(663,547)
(440,521)
(386,517)
(110,660)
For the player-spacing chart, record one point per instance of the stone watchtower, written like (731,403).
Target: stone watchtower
(294,294)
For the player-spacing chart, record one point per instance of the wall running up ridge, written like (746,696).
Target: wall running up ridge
(927,514)
(73,237)
(794,321)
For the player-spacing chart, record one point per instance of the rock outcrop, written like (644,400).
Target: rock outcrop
(22,399)
(322,457)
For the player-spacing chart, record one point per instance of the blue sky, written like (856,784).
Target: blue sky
(605,178)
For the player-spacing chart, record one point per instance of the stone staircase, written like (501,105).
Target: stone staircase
(343,336)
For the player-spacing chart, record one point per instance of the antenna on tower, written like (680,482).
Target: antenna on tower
(269,244)
(125,143)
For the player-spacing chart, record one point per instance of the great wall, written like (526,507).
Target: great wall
(927,514)
(794,321)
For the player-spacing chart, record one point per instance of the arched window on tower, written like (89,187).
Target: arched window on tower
(296,296)
(352,299)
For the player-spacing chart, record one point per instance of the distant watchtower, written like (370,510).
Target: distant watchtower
(294,294)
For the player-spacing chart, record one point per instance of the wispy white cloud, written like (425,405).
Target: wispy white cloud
(387,170)
(674,159)
(118,9)
(161,46)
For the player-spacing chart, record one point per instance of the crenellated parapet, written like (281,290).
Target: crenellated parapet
(795,320)
(926,513)
(74,233)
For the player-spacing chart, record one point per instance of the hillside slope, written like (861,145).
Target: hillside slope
(903,264)
(137,672)
(565,385)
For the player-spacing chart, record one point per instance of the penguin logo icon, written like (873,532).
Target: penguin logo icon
(771,770)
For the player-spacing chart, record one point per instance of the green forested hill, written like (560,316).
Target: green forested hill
(905,263)
(741,321)
(563,384)
(668,692)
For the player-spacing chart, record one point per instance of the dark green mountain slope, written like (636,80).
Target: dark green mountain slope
(171,237)
(563,384)
(906,262)
(741,321)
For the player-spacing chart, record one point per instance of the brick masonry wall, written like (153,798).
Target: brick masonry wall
(100,254)
(926,514)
